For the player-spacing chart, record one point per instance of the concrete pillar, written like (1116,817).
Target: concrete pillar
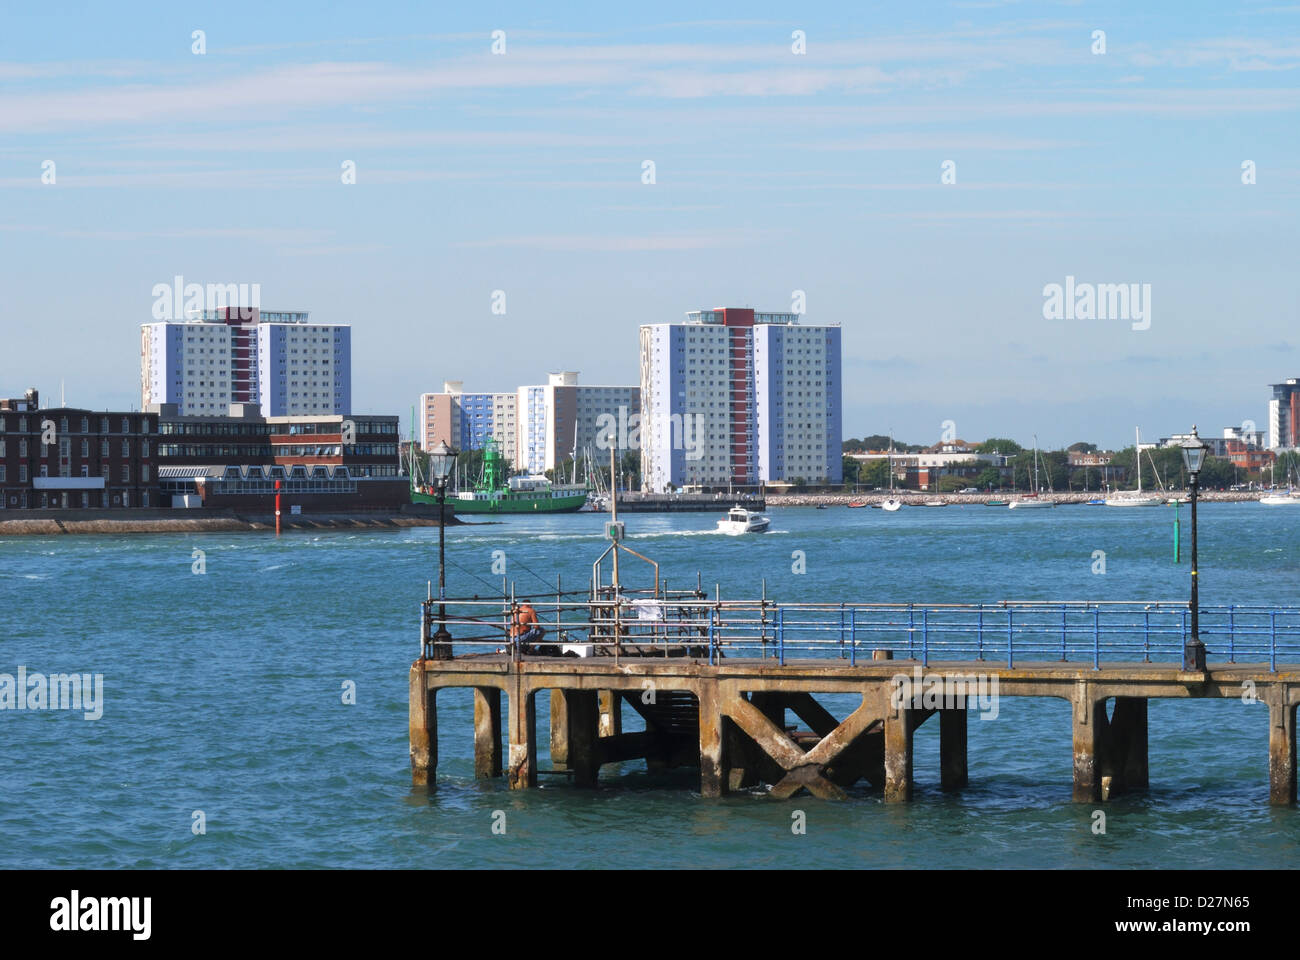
(1087,744)
(487,732)
(1129,724)
(583,708)
(522,771)
(952,747)
(899,725)
(1281,748)
(559,730)
(742,765)
(713,782)
(611,714)
(422,727)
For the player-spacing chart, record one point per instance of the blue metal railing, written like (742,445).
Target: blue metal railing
(1063,631)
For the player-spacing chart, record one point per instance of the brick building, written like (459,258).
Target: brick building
(70,458)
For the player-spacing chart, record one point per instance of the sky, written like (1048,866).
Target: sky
(794,149)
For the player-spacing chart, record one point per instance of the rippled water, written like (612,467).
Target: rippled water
(224,695)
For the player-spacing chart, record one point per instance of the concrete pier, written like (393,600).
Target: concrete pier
(749,721)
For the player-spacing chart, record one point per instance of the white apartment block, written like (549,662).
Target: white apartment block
(281,361)
(733,397)
(561,416)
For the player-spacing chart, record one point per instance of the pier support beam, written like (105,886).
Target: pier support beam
(611,713)
(487,732)
(1281,748)
(1122,760)
(713,779)
(952,747)
(559,730)
(423,727)
(1087,744)
(575,722)
(899,727)
(523,736)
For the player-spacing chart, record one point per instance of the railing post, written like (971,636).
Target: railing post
(980,634)
(1010,640)
(1232,633)
(1146,634)
(1096,638)
(1272,642)
(1064,653)
(841,629)
(911,632)
(853,636)
(712,638)
(780,635)
(925,637)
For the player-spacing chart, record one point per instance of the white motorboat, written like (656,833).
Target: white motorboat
(1136,500)
(892,504)
(739,520)
(935,503)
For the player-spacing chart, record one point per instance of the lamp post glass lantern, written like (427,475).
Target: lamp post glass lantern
(1193,459)
(442,460)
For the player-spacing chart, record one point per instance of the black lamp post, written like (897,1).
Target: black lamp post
(1193,648)
(442,460)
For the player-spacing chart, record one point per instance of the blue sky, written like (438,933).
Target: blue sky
(774,172)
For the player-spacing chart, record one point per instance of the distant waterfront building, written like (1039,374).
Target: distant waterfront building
(324,462)
(562,415)
(465,420)
(733,397)
(281,361)
(1284,415)
(923,470)
(97,458)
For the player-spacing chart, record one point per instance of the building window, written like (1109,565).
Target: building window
(126,425)
(85,447)
(144,473)
(2,473)
(126,448)
(126,473)
(103,424)
(144,448)
(103,448)
(85,424)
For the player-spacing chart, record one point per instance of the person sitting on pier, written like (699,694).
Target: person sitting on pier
(524,627)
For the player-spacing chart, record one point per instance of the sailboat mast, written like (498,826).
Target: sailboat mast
(1037,488)
(1137,455)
